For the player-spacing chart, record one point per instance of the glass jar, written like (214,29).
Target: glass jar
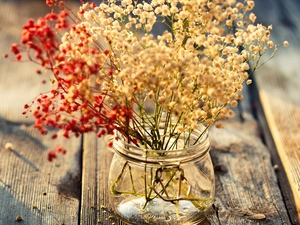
(161,186)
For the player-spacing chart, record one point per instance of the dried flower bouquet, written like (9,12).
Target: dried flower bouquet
(110,72)
(107,69)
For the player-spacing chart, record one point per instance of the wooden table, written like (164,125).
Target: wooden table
(256,155)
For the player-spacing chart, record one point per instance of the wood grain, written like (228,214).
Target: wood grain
(95,206)
(246,185)
(278,84)
(30,186)
(283,181)
(283,119)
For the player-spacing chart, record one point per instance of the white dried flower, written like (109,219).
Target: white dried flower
(9,146)
(192,71)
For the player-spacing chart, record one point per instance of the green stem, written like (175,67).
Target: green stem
(114,184)
(145,184)
(148,197)
(131,179)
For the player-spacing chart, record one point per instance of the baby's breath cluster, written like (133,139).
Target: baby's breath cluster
(114,70)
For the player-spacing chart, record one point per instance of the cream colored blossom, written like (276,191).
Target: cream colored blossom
(249,82)
(194,70)
(250,5)
(9,146)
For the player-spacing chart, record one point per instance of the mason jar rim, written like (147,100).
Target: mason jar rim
(181,155)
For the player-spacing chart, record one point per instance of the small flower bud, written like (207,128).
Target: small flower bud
(9,146)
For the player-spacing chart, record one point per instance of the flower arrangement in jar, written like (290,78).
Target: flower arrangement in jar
(157,93)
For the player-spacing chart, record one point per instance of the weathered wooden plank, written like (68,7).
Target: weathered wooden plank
(95,192)
(95,206)
(33,188)
(246,185)
(284,122)
(278,88)
(283,181)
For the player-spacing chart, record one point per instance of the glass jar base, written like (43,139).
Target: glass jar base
(160,212)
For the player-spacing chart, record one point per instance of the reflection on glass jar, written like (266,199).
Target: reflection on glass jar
(162,186)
